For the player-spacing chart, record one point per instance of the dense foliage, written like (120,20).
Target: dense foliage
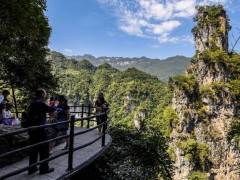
(132,155)
(133,96)
(24,34)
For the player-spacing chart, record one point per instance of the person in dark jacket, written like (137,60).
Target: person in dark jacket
(63,114)
(37,115)
(101,107)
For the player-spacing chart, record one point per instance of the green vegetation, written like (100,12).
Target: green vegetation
(210,17)
(183,82)
(215,56)
(172,154)
(24,43)
(134,154)
(196,153)
(234,133)
(211,14)
(214,89)
(202,113)
(197,175)
(234,87)
(163,69)
(231,62)
(169,121)
(133,95)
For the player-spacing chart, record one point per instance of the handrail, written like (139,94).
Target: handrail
(79,106)
(71,149)
(46,125)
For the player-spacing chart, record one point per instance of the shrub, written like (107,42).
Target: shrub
(169,121)
(186,83)
(214,56)
(195,152)
(234,132)
(197,175)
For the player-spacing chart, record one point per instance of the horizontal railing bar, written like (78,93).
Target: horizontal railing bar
(92,107)
(35,164)
(90,129)
(87,144)
(80,112)
(80,106)
(33,128)
(48,141)
(51,158)
(33,145)
(48,125)
(77,168)
(89,118)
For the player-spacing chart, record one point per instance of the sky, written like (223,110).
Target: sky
(130,28)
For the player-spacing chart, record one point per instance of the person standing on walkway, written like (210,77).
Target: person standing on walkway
(101,107)
(37,116)
(63,114)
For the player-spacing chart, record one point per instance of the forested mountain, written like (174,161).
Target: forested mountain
(138,110)
(163,69)
(184,128)
(193,120)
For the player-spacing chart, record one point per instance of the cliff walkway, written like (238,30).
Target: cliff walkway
(86,145)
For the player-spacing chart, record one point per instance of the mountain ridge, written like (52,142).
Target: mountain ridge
(162,68)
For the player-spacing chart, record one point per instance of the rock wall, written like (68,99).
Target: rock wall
(205,106)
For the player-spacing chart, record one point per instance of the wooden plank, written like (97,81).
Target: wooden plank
(81,157)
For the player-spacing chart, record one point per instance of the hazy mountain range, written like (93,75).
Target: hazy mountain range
(163,69)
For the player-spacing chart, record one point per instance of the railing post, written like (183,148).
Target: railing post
(82,115)
(104,128)
(89,113)
(71,144)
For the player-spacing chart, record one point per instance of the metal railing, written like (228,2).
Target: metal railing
(87,110)
(71,149)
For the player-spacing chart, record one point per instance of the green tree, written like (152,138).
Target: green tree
(24,35)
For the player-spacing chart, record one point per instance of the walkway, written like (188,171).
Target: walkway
(81,158)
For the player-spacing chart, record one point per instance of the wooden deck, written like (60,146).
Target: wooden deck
(81,158)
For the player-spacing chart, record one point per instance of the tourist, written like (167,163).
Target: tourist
(101,107)
(37,116)
(63,114)
(51,103)
(51,131)
(3,102)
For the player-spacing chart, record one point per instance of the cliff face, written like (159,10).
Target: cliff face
(206,103)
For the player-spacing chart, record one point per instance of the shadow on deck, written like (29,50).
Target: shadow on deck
(85,145)
(81,158)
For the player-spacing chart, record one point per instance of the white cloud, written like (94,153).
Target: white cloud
(68,51)
(155,19)
(164,27)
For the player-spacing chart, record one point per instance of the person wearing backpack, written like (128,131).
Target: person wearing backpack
(37,116)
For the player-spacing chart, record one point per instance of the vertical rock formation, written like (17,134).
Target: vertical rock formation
(211,30)
(206,102)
